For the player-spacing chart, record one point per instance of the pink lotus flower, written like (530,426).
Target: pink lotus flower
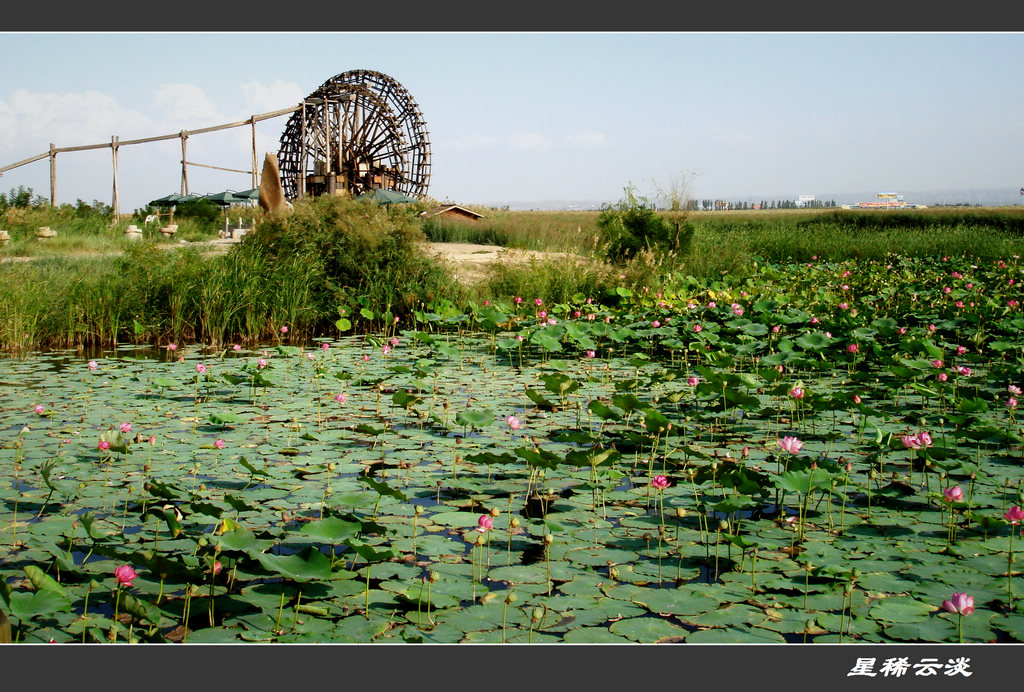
(925,438)
(309,354)
(814,320)
(125,575)
(261,363)
(712,305)
(660,482)
(942,377)
(394,341)
(486,522)
(964,370)
(912,442)
(697,327)
(693,381)
(541,315)
(366,358)
(217,567)
(104,445)
(1011,403)
(340,397)
(126,427)
(791,444)
(218,443)
(1014,390)
(1014,515)
(284,329)
(903,330)
(954,494)
(172,346)
(797,392)
(960,350)
(961,604)
(39,409)
(325,346)
(856,398)
(852,348)
(93,365)
(513,423)
(591,354)
(775,329)
(843,306)
(236,348)
(937,363)
(655,324)
(385,349)
(200,368)
(538,301)
(517,300)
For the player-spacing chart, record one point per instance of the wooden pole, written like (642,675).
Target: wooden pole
(254,151)
(184,166)
(53,175)
(114,204)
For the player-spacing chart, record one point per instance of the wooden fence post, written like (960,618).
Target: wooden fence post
(113,149)
(53,175)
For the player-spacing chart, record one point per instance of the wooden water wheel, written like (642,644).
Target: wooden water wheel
(360,131)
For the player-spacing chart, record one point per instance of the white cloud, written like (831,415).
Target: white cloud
(185,106)
(587,139)
(530,141)
(264,98)
(34,120)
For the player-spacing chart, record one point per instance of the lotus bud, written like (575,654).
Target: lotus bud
(514,523)
(680,512)
(495,511)
(537,614)
(433,577)
(723,524)
(613,572)
(488,597)
(549,539)
(511,598)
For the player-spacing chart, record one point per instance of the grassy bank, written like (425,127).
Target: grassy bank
(337,266)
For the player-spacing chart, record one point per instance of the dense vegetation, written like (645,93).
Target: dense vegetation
(338,259)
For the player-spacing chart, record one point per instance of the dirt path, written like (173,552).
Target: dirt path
(470,262)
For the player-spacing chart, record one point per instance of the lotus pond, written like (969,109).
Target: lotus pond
(826,453)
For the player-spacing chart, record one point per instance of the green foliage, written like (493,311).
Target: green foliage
(20,197)
(201,210)
(633,227)
(361,249)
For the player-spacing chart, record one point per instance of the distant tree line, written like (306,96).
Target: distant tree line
(724,205)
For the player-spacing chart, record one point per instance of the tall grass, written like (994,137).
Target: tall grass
(335,254)
(548,231)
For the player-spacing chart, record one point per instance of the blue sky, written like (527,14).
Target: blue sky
(534,116)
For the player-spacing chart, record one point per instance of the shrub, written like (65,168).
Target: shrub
(633,227)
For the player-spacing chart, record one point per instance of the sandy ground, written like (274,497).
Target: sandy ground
(469,263)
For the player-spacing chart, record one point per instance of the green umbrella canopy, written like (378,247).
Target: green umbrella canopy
(172,199)
(252,195)
(387,197)
(226,198)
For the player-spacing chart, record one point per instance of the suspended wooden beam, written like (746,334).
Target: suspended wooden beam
(116,142)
